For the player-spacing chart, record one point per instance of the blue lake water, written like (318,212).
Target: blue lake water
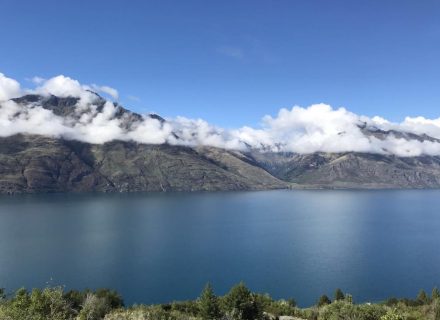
(162,247)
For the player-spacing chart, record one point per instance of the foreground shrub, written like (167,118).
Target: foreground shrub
(345,310)
(276,308)
(238,304)
(191,308)
(46,304)
(392,314)
(147,313)
(94,308)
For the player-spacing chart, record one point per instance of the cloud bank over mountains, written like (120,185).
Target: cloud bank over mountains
(317,128)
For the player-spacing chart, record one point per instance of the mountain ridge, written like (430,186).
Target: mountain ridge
(32,163)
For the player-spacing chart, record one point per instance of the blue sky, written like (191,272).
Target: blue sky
(231,62)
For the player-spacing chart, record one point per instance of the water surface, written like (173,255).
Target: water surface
(162,247)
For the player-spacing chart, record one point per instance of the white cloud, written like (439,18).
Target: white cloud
(37,80)
(112,92)
(15,119)
(9,88)
(61,86)
(303,130)
(422,125)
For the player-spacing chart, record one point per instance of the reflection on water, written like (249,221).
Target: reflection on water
(163,247)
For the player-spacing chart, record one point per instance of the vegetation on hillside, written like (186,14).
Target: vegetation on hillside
(54,303)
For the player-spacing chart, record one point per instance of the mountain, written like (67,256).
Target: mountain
(32,163)
(352,170)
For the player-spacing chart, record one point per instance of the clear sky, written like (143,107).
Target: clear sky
(231,62)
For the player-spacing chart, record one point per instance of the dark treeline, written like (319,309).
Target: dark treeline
(54,303)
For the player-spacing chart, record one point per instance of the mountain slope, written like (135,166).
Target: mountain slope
(30,164)
(352,170)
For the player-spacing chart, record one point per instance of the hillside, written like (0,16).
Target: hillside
(30,164)
(352,170)
(33,162)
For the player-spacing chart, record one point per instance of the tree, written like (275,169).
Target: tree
(391,301)
(422,297)
(46,304)
(49,303)
(76,298)
(112,297)
(2,294)
(435,293)
(291,302)
(19,306)
(339,295)
(241,303)
(323,300)
(209,305)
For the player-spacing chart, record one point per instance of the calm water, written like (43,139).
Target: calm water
(162,247)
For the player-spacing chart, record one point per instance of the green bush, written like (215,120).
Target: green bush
(345,310)
(146,313)
(76,298)
(54,304)
(185,307)
(391,301)
(46,304)
(392,314)
(276,308)
(238,304)
(436,308)
(94,307)
(112,298)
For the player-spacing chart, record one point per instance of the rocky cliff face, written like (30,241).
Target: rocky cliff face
(35,163)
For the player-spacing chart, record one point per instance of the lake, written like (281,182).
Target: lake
(161,247)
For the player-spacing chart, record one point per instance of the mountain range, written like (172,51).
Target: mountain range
(33,163)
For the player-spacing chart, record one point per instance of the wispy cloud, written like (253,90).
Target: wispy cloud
(133,98)
(231,51)
(112,92)
(36,80)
